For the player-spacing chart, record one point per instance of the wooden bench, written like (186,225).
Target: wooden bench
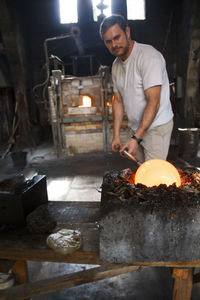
(20,246)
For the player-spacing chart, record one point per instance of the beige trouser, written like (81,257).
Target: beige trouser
(155,143)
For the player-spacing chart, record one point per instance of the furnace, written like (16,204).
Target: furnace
(149,224)
(81,112)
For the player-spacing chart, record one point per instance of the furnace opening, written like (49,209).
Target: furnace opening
(86,101)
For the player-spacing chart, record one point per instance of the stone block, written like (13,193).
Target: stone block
(137,232)
(84,142)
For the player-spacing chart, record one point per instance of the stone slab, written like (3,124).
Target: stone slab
(130,235)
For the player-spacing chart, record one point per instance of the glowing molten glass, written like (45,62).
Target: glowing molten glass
(157,171)
(86,101)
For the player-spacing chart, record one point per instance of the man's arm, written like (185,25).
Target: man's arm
(118,113)
(153,103)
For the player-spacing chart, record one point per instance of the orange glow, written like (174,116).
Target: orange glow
(157,171)
(86,101)
(109,104)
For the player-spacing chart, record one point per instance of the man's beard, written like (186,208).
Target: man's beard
(125,50)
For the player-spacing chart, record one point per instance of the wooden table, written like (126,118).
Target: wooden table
(22,246)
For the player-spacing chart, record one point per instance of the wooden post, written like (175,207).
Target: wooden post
(192,75)
(20,271)
(15,51)
(183,281)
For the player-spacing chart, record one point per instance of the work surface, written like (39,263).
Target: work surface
(19,244)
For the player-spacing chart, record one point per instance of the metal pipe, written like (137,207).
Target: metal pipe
(45,82)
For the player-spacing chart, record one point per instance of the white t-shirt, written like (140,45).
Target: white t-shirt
(144,68)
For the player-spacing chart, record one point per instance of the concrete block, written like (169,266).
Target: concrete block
(136,232)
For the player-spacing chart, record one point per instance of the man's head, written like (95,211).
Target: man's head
(115,32)
(110,21)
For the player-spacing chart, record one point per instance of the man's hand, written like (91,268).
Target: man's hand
(116,145)
(131,146)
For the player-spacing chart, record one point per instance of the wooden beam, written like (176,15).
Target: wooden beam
(81,257)
(63,282)
(49,255)
(183,282)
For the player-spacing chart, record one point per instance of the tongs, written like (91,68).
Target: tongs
(130,156)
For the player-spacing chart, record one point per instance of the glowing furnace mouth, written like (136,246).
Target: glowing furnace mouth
(87,101)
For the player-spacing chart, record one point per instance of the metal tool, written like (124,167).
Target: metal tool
(132,157)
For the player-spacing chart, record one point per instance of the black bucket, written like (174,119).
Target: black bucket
(188,142)
(19,159)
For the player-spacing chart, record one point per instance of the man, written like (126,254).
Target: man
(141,87)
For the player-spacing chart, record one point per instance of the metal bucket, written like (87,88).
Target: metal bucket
(188,142)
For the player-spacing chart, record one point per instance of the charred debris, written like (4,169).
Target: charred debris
(118,190)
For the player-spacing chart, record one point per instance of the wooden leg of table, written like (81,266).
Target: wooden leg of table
(183,281)
(20,271)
